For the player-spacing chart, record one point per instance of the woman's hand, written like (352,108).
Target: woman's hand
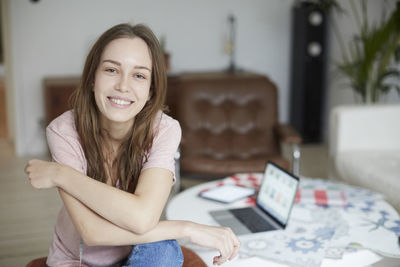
(220,238)
(42,173)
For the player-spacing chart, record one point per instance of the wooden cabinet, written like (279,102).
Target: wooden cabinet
(57,93)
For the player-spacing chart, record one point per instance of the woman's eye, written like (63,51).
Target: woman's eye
(111,70)
(140,76)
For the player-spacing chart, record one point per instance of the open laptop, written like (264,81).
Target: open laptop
(273,204)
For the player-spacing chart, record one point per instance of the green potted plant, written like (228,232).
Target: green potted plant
(368,59)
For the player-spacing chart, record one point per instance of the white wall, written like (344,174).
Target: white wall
(52,38)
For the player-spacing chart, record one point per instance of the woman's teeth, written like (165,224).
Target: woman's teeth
(120,101)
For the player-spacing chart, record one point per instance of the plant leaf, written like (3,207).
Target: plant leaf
(389,73)
(370,52)
(397,54)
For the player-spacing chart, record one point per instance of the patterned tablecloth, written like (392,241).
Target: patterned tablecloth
(328,220)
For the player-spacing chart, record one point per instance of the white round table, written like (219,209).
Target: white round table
(316,235)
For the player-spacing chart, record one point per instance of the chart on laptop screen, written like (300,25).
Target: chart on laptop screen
(277,193)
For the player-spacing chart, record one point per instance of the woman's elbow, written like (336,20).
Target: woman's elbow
(144,225)
(100,239)
(89,241)
(90,236)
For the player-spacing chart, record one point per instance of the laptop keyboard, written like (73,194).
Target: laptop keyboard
(252,220)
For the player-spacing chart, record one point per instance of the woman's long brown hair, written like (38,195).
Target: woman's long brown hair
(134,148)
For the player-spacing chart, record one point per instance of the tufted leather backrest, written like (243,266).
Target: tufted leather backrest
(228,117)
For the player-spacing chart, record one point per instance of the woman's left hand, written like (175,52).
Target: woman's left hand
(220,238)
(42,173)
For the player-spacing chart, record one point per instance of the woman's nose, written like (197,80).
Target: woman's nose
(123,84)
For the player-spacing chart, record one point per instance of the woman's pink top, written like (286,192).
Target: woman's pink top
(66,149)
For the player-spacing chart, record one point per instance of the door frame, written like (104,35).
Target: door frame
(8,78)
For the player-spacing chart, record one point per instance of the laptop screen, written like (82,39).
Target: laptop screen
(277,192)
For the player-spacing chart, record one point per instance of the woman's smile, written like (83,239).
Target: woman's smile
(119,102)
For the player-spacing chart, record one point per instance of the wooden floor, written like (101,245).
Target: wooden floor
(27,216)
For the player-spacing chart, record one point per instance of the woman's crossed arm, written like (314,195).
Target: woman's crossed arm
(96,229)
(138,212)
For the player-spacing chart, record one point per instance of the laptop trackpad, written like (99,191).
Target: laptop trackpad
(225,218)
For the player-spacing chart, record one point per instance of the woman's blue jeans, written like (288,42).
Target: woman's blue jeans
(166,253)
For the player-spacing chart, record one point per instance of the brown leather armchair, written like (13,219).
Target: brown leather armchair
(229,123)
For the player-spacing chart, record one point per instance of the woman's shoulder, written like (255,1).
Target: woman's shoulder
(63,142)
(164,122)
(64,125)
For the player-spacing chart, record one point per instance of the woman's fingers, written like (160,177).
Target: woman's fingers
(218,260)
(229,248)
(41,173)
(236,245)
(28,166)
(231,244)
(220,238)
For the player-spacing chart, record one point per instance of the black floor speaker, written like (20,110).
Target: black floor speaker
(307,81)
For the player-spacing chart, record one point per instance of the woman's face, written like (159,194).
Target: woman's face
(122,81)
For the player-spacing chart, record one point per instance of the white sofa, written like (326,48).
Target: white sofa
(364,148)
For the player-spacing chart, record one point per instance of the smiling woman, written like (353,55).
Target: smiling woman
(122,83)
(114,163)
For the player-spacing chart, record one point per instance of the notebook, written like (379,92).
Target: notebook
(274,203)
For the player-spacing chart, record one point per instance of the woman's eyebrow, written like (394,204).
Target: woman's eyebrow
(119,64)
(111,61)
(143,67)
